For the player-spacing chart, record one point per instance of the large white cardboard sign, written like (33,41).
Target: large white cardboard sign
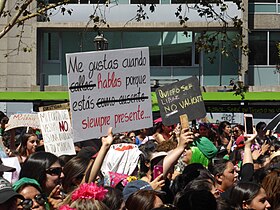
(109,89)
(23,120)
(57,132)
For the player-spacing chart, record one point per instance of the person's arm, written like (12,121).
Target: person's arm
(247,169)
(106,143)
(186,138)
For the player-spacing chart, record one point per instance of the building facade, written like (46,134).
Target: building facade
(173,54)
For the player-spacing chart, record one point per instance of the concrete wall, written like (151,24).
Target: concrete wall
(18,69)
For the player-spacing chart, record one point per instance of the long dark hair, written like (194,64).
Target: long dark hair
(23,145)
(243,192)
(36,165)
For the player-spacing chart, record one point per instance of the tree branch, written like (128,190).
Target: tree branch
(17,19)
(2,6)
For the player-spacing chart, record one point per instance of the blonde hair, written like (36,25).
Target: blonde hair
(88,204)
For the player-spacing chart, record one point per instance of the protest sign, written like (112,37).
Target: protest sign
(12,177)
(57,132)
(23,120)
(109,89)
(183,97)
(61,106)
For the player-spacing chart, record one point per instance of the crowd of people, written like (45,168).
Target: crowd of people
(208,166)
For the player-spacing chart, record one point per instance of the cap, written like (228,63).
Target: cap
(134,186)
(87,152)
(23,181)
(4,168)
(6,191)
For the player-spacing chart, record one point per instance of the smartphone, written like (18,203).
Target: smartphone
(248,124)
(158,170)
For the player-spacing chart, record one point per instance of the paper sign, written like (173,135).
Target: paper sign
(23,120)
(12,177)
(183,97)
(57,132)
(109,89)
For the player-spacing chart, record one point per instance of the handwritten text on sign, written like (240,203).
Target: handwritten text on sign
(23,120)
(57,132)
(109,89)
(183,97)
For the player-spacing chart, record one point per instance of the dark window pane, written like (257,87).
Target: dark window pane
(83,1)
(177,49)
(273,51)
(52,41)
(97,1)
(144,1)
(262,1)
(258,48)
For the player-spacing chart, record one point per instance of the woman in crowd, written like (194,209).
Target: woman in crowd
(143,200)
(32,193)
(27,146)
(45,167)
(225,134)
(74,171)
(248,195)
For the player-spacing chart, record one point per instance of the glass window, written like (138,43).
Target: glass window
(177,49)
(273,51)
(262,1)
(51,41)
(258,48)
(144,1)
(145,39)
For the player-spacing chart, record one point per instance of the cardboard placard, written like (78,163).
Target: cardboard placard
(183,97)
(23,120)
(57,132)
(109,89)
(60,106)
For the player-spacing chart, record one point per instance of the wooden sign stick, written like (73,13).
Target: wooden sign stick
(184,121)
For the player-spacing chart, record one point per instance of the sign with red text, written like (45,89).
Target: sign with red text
(57,132)
(183,97)
(23,120)
(109,89)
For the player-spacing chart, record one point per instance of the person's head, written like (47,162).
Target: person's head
(132,136)
(32,193)
(238,130)
(74,171)
(195,200)
(204,129)
(8,196)
(45,168)
(143,200)
(260,128)
(271,184)
(113,198)
(248,195)
(224,173)
(203,184)
(224,128)
(28,144)
(88,197)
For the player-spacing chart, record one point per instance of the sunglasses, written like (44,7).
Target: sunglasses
(54,171)
(28,203)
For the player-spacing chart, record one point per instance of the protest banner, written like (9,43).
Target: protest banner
(57,132)
(109,89)
(183,97)
(23,120)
